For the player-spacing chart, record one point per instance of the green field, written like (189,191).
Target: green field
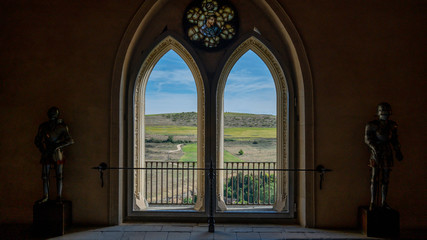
(190,154)
(247,137)
(228,157)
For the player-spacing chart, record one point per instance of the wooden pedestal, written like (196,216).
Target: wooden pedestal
(379,222)
(51,218)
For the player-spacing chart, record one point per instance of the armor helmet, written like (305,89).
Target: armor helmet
(383,110)
(53,113)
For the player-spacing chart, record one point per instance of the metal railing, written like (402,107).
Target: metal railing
(171,183)
(320,169)
(245,183)
(250,183)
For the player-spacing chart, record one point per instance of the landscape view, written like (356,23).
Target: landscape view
(171,139)
(247,137)
(171,133)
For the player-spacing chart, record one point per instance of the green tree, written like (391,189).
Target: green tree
(244,189)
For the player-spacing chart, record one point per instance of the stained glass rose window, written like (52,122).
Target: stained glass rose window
(210,24)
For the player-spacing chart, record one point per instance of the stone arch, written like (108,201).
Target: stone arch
(122,75)
(279,78)
(138,91)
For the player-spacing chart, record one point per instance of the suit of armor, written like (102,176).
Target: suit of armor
(381,137)
(51,137)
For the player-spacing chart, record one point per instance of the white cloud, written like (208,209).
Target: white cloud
(177,80)
(250,91)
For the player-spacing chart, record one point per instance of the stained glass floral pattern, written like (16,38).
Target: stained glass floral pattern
(210,23)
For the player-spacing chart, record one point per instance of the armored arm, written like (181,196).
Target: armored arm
(65,139)
(370,139)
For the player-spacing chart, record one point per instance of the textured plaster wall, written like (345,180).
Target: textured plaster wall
(57,53)
(362,53)
(62,53)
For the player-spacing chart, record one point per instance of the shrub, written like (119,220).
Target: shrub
(260,189)
(190,200)
(170,139)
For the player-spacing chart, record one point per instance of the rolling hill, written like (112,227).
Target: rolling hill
(231,120)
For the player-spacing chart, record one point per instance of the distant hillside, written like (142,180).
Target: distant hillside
(230,120)
(249,120)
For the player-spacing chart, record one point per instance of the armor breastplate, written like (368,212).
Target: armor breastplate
(383,132)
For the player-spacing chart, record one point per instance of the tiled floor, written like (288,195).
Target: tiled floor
(176,231)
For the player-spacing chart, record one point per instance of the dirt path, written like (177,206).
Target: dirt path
(178,148)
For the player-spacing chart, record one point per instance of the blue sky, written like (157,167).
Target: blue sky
(249,88)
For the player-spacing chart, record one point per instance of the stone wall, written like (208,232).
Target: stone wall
(360,53)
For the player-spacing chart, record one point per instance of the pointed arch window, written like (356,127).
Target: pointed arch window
(249,134)
(276,194)
(280,193)
(134,63)
(157,88)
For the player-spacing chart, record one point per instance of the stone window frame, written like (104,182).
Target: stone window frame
(134,40)
(138,201)
(285,188)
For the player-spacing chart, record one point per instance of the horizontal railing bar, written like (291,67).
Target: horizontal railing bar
(220,169)
(149,161)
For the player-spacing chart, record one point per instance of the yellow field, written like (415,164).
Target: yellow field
(170,130)
(249,133)
(246,133)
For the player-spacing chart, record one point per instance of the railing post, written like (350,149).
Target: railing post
(177,183)
(226,183)
(232,182)
(182,180)
(268,183)
(192,195)
(253,183)
(161,188)
(157,181)
(188,182)
(151,182)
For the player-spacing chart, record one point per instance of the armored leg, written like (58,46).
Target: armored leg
(374,183)
(59,178)
(45,178)
(384,187)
